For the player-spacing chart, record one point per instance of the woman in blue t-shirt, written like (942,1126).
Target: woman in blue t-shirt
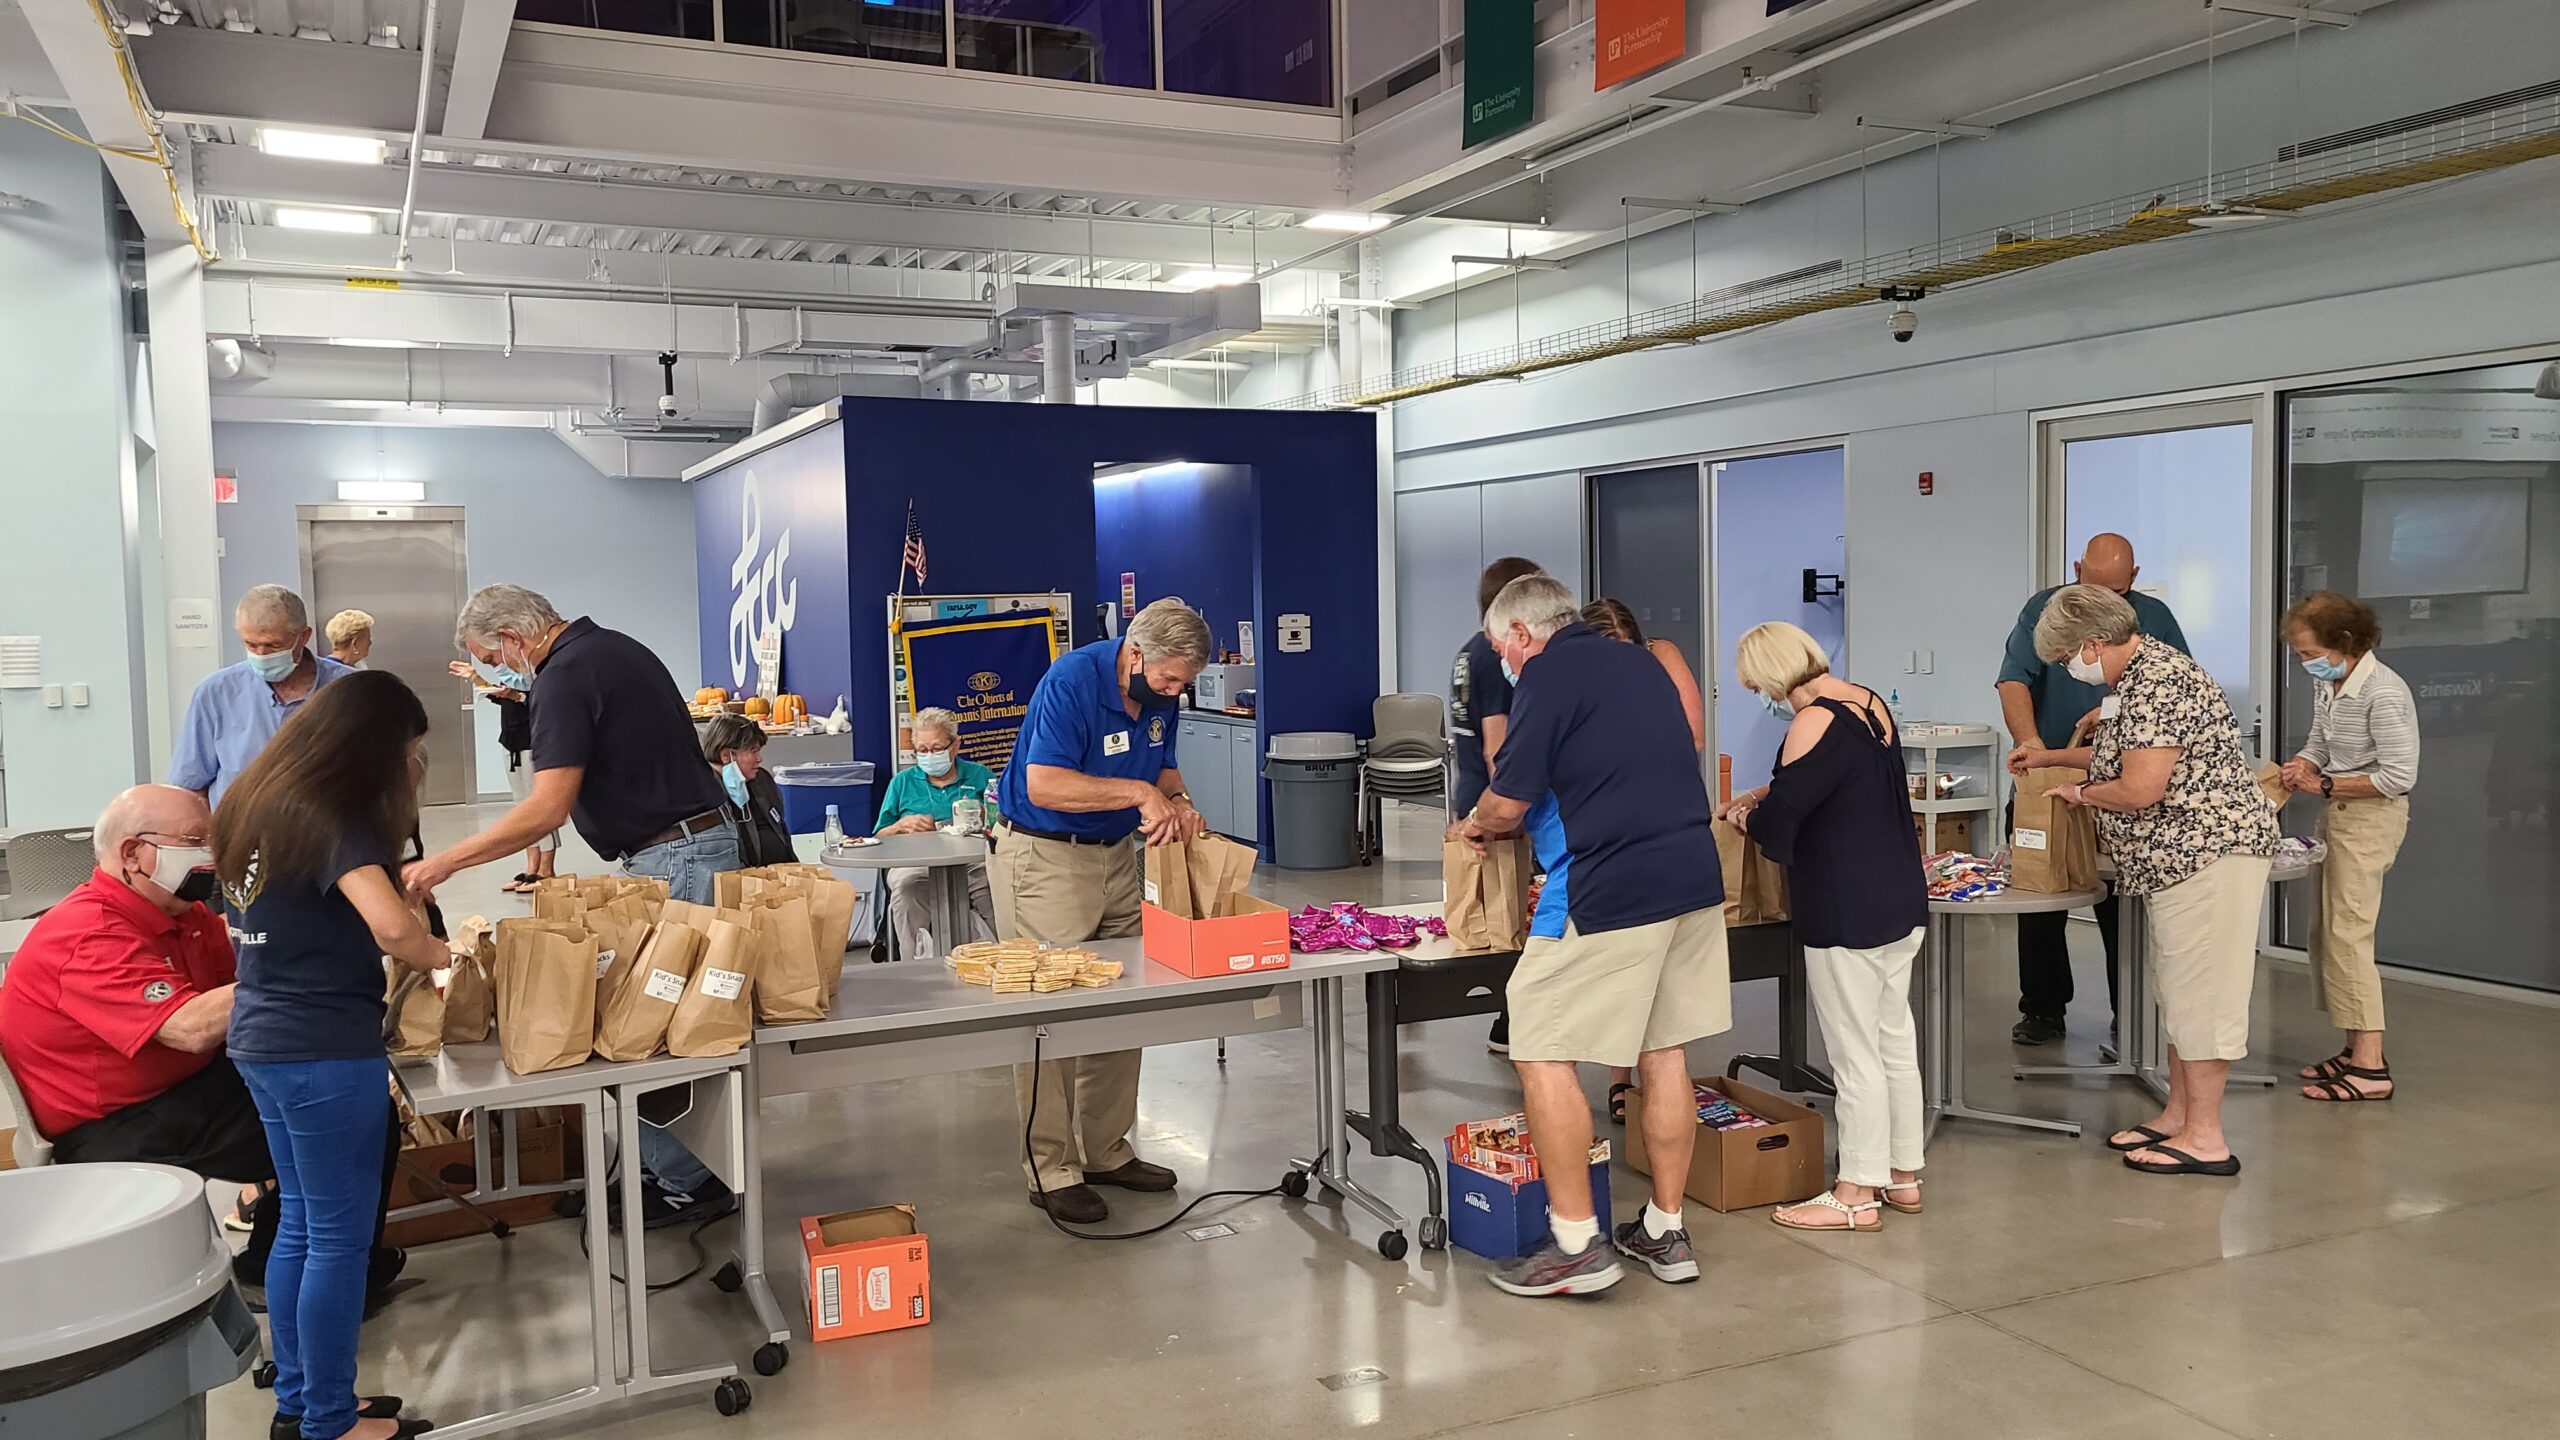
(305,843)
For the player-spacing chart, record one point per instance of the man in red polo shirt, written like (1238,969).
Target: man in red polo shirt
(113,1012)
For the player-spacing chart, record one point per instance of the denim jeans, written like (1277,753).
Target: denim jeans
(325,1122)
(687,866)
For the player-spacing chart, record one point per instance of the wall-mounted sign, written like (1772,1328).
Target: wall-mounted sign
(1501,81)
(226,488)
(1630,37)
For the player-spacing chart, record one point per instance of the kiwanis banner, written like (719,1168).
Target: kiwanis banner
(982,669)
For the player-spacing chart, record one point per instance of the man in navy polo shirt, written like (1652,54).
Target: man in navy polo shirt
(1092,769)
(1625,963)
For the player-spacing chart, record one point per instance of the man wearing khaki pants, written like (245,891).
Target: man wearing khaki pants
(1093,771)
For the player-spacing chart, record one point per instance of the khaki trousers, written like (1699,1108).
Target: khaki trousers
(2364,838)
(1063,894)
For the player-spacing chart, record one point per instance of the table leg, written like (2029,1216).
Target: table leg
(957,928)
(599,1240)
(1951,1054)
(635,1252)
(750,1258)
(1383,1125)
(1931,1029)
(1330,1166)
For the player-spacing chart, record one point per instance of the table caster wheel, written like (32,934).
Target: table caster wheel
(264,1377)
(1294,1184)
(731,1396)
(727,1279)
(771,1357)
(1392,1245)
(571,1205)
(1435,1233)
(501,1229)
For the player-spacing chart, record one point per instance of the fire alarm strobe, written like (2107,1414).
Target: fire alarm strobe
(1928,482)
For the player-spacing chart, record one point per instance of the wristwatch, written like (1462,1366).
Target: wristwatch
(2328,787)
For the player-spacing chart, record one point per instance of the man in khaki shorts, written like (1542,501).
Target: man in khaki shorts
(1093,770)
(1625,963)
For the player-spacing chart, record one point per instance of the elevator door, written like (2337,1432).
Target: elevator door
(403,565)
(1648,548)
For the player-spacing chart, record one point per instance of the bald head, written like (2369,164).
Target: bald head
(2108,563)
(149,810)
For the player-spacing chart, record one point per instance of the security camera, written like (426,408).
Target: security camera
(1902,324)
(667,403)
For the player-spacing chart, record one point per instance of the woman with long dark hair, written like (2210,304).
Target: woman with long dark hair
(306,844)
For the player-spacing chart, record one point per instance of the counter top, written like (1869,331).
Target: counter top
(1223,717)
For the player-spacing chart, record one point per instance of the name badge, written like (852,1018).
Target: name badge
(2107,707)
(1116,743)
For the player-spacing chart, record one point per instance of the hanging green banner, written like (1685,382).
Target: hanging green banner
(1502,49)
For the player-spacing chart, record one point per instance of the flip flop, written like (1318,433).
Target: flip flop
(2187,1164)
(2154,1138)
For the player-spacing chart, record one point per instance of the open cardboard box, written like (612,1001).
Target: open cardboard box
(1774,1164)
(1245,934)
(869,1271)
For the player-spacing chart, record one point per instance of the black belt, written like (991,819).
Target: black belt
(1010,828)
(684,829)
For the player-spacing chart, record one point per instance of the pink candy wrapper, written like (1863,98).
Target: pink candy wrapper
(1346,926)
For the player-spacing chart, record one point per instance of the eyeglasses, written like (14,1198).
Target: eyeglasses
(157,838)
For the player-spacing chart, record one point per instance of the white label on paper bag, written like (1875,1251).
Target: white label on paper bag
(830,1296)
(1155,893)
(875,1289)
(2029,840)
(722,984)
(665,985)
(604,962)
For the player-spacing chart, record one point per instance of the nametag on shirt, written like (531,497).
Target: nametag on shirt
(1116,743)
(2107,708)
(2029,840)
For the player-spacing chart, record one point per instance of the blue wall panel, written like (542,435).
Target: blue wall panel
(1186,532)
(769,543)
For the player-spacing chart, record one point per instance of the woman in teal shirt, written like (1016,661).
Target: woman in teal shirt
(919,800)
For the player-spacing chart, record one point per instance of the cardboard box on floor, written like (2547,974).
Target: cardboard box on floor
(548,1152)
(869,1271)
(1775,1164)
(1198,920)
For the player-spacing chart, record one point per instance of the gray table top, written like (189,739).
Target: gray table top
(900,852)
(468,1075)
(2019,902)
(924,995)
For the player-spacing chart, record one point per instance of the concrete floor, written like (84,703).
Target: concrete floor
(2380,1270)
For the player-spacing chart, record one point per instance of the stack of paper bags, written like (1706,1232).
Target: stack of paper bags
(636,1001)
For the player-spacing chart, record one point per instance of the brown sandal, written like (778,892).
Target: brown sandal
(2335,1089)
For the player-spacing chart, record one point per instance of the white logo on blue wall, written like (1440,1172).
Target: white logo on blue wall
(759,594)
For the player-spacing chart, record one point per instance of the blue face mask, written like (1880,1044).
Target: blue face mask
(934,763)
(734,783)
(272,668)
(2324,668)
(1777,707)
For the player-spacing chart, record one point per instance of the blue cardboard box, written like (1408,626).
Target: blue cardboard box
(1499,1219)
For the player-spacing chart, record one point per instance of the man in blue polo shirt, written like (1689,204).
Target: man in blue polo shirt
(2042,706)
(1093,768)
(1625,963)
(238,708)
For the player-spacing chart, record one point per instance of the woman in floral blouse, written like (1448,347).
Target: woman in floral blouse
(2192,837)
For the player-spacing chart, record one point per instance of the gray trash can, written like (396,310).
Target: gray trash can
(1315,799)
(122,1314)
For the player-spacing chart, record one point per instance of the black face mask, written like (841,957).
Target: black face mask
(197,888)
(1145,695)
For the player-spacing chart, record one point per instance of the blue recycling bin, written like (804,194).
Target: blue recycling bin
(807,791)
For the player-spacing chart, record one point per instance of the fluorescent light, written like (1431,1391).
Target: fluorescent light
(368,344)
(382,492)
(1345,222)
(321,145)
(1228,366)
(1209,277)
(344,222)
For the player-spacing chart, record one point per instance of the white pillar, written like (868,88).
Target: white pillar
(190,577)
(1369,356)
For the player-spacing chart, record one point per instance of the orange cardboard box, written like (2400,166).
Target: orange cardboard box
(1246,934)
(868,1272)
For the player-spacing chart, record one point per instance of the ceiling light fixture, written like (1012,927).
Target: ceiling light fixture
(364,343)
(342,222)
(321,145)
(1345,222)
(1209,277)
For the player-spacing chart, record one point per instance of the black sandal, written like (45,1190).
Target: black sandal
(2187,1164)
(2327,1069)
(2335,1090)
(2153,1137)
(1618,1102)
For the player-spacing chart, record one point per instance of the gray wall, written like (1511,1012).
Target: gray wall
(1445,538)
(534,515)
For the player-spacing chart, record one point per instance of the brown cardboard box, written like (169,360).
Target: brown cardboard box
(548,1144)
(1962,831)
(1775,1164)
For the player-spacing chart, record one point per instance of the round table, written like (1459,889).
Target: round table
(947,855)
(1942,1004)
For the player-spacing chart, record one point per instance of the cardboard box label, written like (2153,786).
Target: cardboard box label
(830,1296)
(875,1289)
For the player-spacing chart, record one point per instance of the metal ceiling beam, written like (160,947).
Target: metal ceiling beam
(84,60)
(479,47)
(242,172)
(233,79)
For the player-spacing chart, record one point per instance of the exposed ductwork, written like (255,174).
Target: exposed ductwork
(784,395)
(1058,359)
(228,359)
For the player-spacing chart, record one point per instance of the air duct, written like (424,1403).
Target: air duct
(783,395)
(1058,359)
(228,359)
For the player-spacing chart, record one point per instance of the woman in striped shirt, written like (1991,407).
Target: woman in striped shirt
(2362,760)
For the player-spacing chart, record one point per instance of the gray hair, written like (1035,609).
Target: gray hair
(1170,630)
(2078,614)
(1540,602)
(271,607)
(135,811)
(934,717)
(513,608)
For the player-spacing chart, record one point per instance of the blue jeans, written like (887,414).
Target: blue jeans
(325,1123)
(687,866)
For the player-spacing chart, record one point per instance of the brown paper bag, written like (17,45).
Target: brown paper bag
(2053,847)
(631,1020)
(2271,785)
(1486,903)
(1190,879)
(717,1013)
(789,986)
(417,1131)
(470,1002)
(546,987)
(728,888)
(1755,887)
(413,1011)
(620,925)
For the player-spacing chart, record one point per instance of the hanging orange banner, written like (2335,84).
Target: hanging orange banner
(1631,37)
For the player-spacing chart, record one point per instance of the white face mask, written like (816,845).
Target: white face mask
(2087,671)
(177,864)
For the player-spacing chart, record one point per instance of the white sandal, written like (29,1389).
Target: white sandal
(1885,1194)
(1829,1201)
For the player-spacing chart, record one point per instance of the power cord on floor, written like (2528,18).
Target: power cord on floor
(701,1254)
(1032,1114)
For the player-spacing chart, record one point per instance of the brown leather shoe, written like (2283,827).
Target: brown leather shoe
(1076,1204)
(1135,1175)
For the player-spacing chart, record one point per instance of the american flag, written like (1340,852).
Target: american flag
(913,559)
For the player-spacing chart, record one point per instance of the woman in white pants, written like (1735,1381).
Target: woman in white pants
(1837,814)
